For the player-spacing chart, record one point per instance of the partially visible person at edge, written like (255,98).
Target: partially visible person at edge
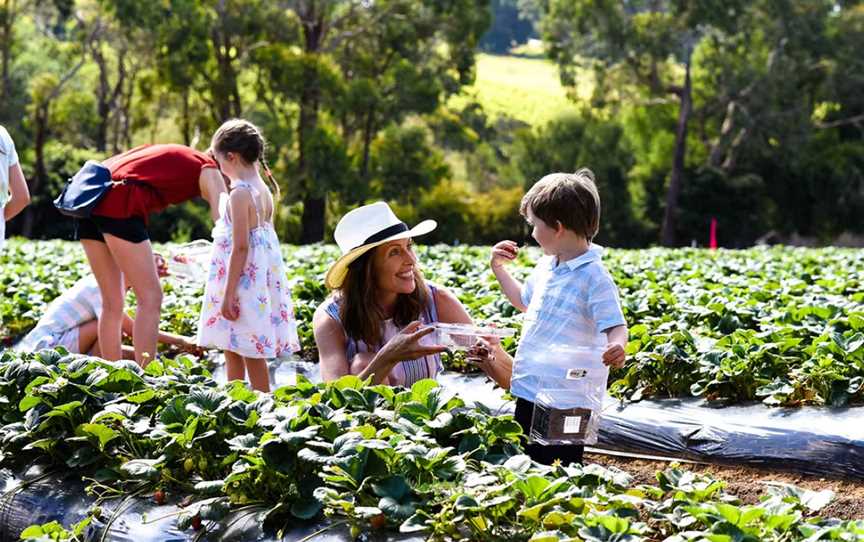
(569,299)
(14,194)
(247,310)
(72,321)
(373,324)
(117,242)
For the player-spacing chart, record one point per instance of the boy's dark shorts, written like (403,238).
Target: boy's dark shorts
(132,229)
(545,454)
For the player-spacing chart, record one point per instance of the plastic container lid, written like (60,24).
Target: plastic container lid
(479,331)
(464,336)
(189,261)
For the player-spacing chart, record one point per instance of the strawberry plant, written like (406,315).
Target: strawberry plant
(377,458)
(783,326)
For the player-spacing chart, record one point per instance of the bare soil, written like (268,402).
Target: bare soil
(748,482)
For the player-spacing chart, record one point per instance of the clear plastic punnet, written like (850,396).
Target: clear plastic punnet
(571,387)
(463,336)
(189,261)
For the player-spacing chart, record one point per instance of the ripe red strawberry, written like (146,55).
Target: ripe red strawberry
(159,496)
(378,522)
(196,522)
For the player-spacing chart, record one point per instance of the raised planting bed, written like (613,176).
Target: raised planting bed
(418,462)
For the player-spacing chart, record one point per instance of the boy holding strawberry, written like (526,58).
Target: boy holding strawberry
(569,299)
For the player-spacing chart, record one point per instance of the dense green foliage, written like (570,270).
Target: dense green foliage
(375,457)
(783,326)
(332,83)
(726,101)
(366,100)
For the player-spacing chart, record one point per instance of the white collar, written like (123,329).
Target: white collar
(594,253)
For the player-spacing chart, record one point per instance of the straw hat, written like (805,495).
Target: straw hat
(365,228)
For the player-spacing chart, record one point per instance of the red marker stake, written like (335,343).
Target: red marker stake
(712,243)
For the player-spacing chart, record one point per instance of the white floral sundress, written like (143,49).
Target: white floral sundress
(266,327)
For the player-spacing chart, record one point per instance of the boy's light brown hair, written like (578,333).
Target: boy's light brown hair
(569,198)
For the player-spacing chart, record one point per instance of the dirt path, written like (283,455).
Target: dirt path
(747,482)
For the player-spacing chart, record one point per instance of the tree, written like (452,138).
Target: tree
(203,45)
(362,66)
(638,51)
(573,141)
(110,48)
(45,88)
(509,26)
(9,10)
(404,163)
(777,102)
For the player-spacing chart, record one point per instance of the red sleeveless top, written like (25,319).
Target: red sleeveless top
(164,175)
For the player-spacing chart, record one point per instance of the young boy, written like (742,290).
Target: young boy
(72,321)
(569,299)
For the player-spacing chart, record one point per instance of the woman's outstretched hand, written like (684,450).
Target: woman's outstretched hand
(406,345)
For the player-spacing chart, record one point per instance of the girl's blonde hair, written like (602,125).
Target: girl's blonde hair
(244,138)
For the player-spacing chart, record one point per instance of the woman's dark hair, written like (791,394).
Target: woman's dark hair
(361,316)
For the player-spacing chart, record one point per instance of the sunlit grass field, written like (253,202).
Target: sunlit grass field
(527,89)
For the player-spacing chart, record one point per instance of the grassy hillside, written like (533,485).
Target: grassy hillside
(525,88)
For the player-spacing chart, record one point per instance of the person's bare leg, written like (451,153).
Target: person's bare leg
(139,270)
(235,367)
(88,336)
(110,281)
(125,351)
(259,375)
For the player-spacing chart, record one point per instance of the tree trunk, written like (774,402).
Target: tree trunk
(227,95)
(41,117)
(715,156)
(185,125)
(126,108)
(6,35)
(103,105)
(732,154)
(314,196)
(667,233)
(367,143)
(228,98)
(313,219)
(39,177)
(107,95)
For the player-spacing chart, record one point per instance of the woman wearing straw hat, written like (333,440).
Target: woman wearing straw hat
(374,323)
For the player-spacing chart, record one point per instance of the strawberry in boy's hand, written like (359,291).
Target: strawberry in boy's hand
(614,355)
(480,353)
(503,252)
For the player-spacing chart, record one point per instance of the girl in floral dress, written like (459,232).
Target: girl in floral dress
(247,309)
